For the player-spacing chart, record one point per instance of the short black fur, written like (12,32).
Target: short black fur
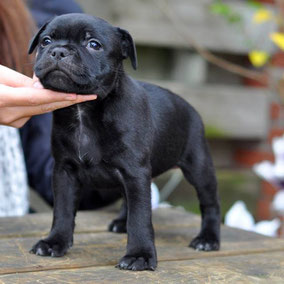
(134,131)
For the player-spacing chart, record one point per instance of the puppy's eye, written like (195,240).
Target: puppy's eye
(46,41)
(94,44)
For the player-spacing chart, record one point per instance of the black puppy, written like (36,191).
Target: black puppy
(134,131)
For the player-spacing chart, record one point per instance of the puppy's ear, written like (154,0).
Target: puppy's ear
(34,40)
(128,47)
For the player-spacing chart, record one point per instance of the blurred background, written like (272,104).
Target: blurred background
(225,58)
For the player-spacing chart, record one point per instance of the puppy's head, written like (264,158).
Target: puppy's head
(79,53)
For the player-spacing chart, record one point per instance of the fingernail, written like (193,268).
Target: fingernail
(71,97)
(38,85)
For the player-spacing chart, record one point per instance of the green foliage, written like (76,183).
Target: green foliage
(212,131)
(218,7)
(255,4)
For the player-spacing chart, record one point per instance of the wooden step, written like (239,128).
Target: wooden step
(229,112)
(146,21)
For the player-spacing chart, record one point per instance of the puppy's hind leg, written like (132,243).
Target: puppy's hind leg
(198,169)
(118,225)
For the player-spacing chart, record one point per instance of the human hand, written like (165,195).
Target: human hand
(22,97)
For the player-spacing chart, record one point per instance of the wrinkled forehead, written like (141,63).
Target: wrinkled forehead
(78,26)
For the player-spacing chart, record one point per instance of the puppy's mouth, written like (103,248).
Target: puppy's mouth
(63,79)
(56,80)
(58,74)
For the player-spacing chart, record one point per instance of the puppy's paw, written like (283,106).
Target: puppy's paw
(117,226)
(51,248)
(137,263)
(205,243)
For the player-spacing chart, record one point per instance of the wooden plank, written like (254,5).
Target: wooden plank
(36,225)
(228,111)
(39,224)
(149,25)
(256,268)
(101,249)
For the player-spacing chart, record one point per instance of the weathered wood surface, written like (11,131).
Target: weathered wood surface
(227,111)
(97,221)
(245,257)
(148,24)
(258,268)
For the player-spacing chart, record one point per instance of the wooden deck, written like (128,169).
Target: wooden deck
(244,257)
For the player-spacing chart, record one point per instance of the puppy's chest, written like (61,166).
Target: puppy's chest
(95,142)
(82,135)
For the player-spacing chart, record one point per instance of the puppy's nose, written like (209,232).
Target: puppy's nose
(59,53)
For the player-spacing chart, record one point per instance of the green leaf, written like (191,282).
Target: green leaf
(255,4)
(234,18)
(224,10)
(220,8)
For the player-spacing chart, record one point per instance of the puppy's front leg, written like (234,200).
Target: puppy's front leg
(141,252)
(60,238)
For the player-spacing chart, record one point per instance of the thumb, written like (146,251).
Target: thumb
(36,83)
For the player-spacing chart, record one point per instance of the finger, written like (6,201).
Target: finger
(84,98)
(46,108)
(58,105)
(13,116)
(31,96)
(20,122)
(36,83)
(12,78)
(17,116)
(27,111)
